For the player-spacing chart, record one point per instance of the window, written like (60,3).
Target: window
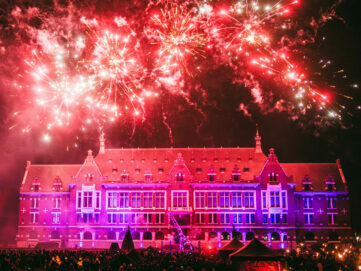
(249,199)
(148,177)
(307,187)
(265,218)
(160,200)
(249,218)
(34,218)
(78,194)
(264,200)
(307,203)
(179,177)
(79,218)
(329,187)
(97,218)
(147,218)
(275,218)
(200,218)
(237,199)
(112,218)
(35,203)
(212,199)
(148,199)
(135,199)
(273,177)
(284,200)
(56,203)
(124,200)
(332,219)
(275,199)
(200,199)
(112,200)
(224,199)
(308,218)
(180,199)
(237,218)
(87,199)
(211,177)
(235,177)
(212,218)
(87,218)
(123,218)
(331,203)
(97,200)
(224,218)
(159,218)
(36,187)
(56,218)
(124,178)
(284,218)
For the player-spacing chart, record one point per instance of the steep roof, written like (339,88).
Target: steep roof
(255,250)
(232,245)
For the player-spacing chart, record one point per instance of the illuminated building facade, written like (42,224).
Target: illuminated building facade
(213,193)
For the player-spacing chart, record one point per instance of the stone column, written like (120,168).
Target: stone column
(117,235)
(206,236)
(141,236)
(219,236)
(243,236)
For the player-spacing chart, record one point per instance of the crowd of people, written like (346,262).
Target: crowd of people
(331,258)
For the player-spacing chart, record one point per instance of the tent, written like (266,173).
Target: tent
(127,243)
(256,256)
(47,245)
(230,247)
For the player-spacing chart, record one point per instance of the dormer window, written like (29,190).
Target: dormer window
(36,185)
(330,183)
(179,177)
(211,177)
(193,160)
(236,174)
(246,169)
(57,185)
(273,177)
(307,183)
(215,159)
(89,177)
(114,170)
(160,170)
(124,178)
(148,177)
(236,177)
(204,160)
(137,170)
(222,169)
(198,170)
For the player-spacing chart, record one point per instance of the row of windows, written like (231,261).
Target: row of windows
(35,203)
(88,199)
(135,200)
(226,199)
(307,203)
(309,218)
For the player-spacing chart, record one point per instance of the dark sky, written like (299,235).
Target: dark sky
(224,125)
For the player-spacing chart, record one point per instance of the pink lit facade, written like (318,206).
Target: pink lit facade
(213,193)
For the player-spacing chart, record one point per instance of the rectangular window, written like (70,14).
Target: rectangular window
(200,218)
(275,218)
(97,200)
(212,218)
(249,199)
(332,219)
(78,195)
(35,203)
(124,199)
(284,201)
(136,199)
(284,218)
(160,200)
(265,218)
(88,218)
(112,199)
(34,218)
(264,200)
(97,218)
(275,199)
(224,199)
(224,218)
(112,218)
(87,199)
(148,199)
(212,199)
(180,199)
(147,218)
(331,203)
(79,218)
(211,177)
(56,203)
(56,218)
(308,219)
(249,218)
(159,218)
(123,218)
(237,199)
(237,218)
(200,199)
(307,203)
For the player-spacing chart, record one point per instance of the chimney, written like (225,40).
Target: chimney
(258,142)
(101,143)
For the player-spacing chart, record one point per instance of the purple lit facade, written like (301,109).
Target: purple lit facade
(213,193)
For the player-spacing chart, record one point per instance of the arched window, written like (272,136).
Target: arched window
(121,235)
(265,237)
(33,235)
(55,235)
(87,235)
(159,235)
(111,235)
(333,236)
(147,235)
(212,235)
(136,235)
(309,236)
(237,235)
(249,236)
(275,236)
(225,236)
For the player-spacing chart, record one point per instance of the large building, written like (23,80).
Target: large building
(213,193)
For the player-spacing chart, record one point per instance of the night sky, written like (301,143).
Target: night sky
(210,117)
